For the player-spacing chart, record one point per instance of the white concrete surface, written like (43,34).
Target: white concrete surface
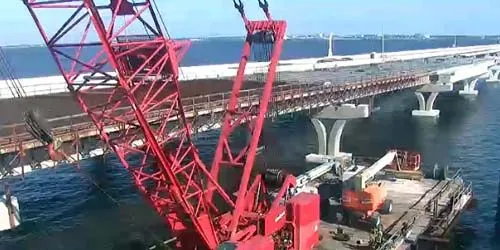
(330,145)
(56,84)
(5,216)
(463,72)
(426,113)
(446,78)
(468,93)
(426,108)
(429,88)
(369,172)
(493,76)
(344,112)
(320,158)
(469,88)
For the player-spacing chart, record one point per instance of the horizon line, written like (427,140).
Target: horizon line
(314,35)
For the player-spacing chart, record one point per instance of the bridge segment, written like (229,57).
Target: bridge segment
(493,75)
(444,81)
(329,142)
(55,84)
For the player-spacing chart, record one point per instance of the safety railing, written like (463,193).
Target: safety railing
(448,203)
(211,103)
(34,90)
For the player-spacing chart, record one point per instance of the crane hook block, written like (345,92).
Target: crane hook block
(125,8)
(264,5)
(239,6)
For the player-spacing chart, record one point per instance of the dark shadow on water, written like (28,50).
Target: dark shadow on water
(496,237)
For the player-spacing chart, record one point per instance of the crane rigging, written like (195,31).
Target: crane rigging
(10,77)
(33,120)
(157,147)
(263,32)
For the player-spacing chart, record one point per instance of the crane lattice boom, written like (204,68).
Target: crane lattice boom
(128,38)
(154,145)
(258,32)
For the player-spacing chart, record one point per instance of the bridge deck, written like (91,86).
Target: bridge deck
(64,105)
(63,112)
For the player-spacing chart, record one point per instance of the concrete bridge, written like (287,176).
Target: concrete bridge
(438,81)
(493,75)
(55,84)
(304,90)
(445,80)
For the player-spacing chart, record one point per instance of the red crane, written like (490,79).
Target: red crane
(154,144)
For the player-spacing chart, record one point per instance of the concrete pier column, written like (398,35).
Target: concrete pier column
(370,101)
(493,75)
(330,45)
(329,140)
(426,107)
(469,88)
(329,144)
(320,128)
(334,138)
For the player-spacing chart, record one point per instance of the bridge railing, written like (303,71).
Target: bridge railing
(195,106)
(218,100)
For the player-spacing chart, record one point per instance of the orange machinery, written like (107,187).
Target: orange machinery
(406,165)
(406,161)
(367,203)
(364,199)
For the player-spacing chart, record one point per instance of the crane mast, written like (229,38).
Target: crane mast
(132,83)
(128,39)
(270,32)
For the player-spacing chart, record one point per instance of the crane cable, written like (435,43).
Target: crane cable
(166,31)
(34,122)
(161,18)
(264,41)
(10,77)
(15,87)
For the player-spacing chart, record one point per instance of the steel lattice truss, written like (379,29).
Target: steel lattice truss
(128,38)
(258,32)
(142,99)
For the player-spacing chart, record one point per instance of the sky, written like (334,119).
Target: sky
(203,18)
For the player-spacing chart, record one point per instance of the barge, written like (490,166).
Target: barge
(420,207)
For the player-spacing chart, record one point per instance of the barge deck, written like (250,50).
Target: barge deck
(423,212)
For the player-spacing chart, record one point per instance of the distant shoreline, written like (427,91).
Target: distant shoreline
(316,37)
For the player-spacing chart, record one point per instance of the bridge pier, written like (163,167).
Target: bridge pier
(493,75)
(370,101)
(469,88)
(329,142)
(426,107)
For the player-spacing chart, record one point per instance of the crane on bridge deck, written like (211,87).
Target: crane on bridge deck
(185,193)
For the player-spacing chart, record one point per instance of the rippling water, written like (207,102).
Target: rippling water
(63,209)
